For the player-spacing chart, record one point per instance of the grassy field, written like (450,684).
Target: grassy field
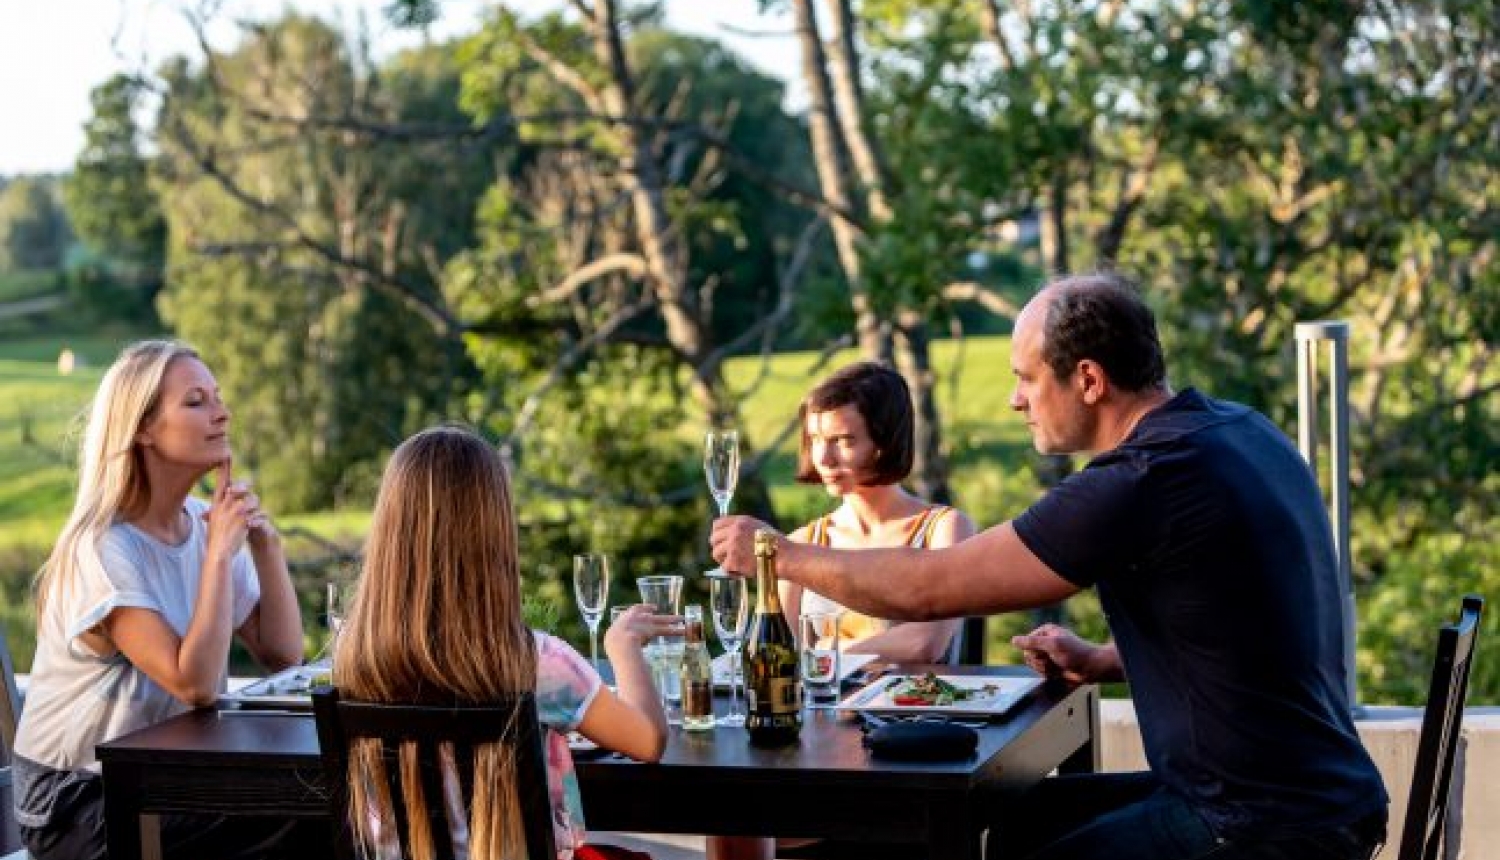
(41,417)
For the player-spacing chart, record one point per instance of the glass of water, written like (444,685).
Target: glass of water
(819,637)
(664,594)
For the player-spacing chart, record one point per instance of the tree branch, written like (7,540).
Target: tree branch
(633,265)
(972,291)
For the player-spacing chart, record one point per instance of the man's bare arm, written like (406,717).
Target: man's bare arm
(990,572)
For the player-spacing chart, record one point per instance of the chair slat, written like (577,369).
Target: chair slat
(390,754)
(1442,722)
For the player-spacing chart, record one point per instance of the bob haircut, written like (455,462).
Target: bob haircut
(883,400)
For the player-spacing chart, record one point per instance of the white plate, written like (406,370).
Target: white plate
(290,688)
(1007,692)
(848,665)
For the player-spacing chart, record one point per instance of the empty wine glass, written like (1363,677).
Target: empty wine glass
(729,600)
(591,590)
(340,596)
(721,468)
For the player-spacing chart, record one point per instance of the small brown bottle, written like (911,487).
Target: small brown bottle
(697,674)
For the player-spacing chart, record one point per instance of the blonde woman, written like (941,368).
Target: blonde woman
(139,600)
(437,618)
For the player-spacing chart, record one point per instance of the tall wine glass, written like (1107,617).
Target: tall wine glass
(340,596)
(729,599)
(591,590)
(721,467)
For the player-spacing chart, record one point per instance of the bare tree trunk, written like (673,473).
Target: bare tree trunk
(844,101)
(666,256)
(914,358)
(843,56)
(828,156)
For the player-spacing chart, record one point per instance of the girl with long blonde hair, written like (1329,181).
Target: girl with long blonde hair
(140,598)
(437,619)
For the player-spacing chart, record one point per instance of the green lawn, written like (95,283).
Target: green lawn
(15,286)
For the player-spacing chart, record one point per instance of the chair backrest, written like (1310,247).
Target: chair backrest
(10,716)
(512,723)
(10,700)
(953,655)
(1441,723)
(967,646)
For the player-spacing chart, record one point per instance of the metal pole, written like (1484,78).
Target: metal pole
(1336,335)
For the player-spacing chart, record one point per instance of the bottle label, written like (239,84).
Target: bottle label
(697,698)
(783,695)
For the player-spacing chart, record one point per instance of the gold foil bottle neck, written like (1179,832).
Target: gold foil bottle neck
(765,543)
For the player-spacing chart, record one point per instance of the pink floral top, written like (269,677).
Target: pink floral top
(565,687)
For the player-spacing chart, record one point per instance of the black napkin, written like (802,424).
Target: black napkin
(922,741)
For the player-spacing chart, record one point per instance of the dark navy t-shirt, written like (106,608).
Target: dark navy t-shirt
(1206,536)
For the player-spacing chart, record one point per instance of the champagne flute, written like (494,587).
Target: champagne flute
(591,590)
(340,596)
(729,598)
(721,467)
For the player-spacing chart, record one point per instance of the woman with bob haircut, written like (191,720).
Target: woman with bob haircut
(139,600)
(857,441)
(437,618)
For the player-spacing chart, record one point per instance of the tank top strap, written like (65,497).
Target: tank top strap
(922,534)
(819,536)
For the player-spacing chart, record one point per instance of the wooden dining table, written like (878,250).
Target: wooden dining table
(243,762)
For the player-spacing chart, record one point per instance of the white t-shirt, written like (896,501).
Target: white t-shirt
(77,699)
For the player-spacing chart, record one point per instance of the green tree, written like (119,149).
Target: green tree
(303,247)
(114,210)
(34,231)
(619,264)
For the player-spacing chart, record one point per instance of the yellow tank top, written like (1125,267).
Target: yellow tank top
(856,625)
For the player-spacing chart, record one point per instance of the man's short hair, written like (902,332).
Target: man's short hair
(880,395)
(1101,317)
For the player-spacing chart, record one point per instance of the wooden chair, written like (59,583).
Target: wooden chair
(10,716)
(1432,776)
(512,723)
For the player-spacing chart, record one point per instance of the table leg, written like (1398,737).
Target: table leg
(151,837)
(1086,759)
(954,831)
(122,811)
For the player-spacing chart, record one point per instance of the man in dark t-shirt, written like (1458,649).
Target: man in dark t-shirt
(1205,534)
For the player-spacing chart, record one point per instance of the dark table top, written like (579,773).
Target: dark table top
(268,762)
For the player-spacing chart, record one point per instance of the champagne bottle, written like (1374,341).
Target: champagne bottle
(697,674)
(773,684)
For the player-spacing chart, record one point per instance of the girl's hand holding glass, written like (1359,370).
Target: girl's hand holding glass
(631,627)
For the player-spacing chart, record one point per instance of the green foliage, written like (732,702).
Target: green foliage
(295,268)
(115,212)
(34,231)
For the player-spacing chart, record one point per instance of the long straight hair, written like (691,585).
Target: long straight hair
(111,475)
(436,619)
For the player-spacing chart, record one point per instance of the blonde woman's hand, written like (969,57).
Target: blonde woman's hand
(637,625)
(229,516)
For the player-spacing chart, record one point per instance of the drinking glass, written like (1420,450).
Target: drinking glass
(729,600)
(819,637)
(721,468)
(664,593)
(340,596)
(591,590)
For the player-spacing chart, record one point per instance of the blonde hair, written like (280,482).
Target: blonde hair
(111,474)
(436,619)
